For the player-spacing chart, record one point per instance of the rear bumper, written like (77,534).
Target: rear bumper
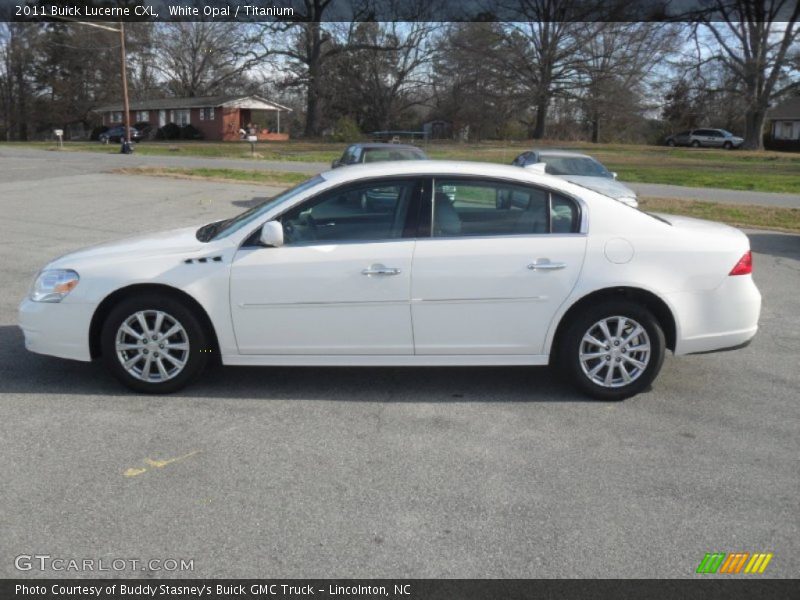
(718,319)
(56,329)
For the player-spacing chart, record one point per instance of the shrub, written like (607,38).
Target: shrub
(345,130)
(190,132)
(170,131)
(782,145)
(95,134)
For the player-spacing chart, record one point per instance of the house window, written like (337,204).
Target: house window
(142,116)
(180,117)
(207,114)
(116,116)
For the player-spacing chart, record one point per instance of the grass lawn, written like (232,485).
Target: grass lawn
(702,167)
(778,218)
(276,178)
(740,215)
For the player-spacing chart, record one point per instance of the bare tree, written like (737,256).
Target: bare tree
(754,39)
(618,59)
(310,45)
(204,58)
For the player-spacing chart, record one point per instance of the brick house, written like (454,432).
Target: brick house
(219,118)
(785,120)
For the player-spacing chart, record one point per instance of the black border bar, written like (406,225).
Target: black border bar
(732,588)
(260,11)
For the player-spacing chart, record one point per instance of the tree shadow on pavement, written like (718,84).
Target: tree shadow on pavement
(786,245)
(23,372)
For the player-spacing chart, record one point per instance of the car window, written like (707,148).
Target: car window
(574,165)
(363,211)
(463,208)
(225,228)
(384,154)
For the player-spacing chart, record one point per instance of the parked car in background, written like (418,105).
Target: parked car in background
(377,152)
(710,138)
(578,168)
(115,134)
(515,268)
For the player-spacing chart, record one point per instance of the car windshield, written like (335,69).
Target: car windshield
(573,165)
(383,154)
(726,133)
(221,229)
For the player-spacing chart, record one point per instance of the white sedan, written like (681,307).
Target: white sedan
(415,263)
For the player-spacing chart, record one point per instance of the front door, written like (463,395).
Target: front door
(500,260)
(341,282)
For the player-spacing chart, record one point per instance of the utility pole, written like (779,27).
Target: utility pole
(124,61)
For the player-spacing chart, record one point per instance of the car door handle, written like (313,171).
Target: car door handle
(380,270)
(544,264)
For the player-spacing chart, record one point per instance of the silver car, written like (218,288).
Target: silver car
(710,138)
(578,168)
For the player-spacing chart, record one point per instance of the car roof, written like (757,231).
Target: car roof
(371,145)
(452,168)
(557,152)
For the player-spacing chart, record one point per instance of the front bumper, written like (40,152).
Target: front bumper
(56,328)
(717,319)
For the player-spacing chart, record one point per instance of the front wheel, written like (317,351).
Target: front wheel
(727,146)
(671,143)
(695,144)
(154,344)
(613,350)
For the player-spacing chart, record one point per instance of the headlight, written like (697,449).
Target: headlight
(53,285)
(629,200)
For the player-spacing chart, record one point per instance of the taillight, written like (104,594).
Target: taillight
(744,266)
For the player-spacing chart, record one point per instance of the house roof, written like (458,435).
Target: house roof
(238,101)
(788,109)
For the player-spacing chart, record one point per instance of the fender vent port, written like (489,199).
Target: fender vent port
(204,259)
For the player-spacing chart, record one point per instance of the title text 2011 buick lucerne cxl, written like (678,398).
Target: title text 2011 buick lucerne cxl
(415,263)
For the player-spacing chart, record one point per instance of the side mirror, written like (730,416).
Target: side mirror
(613,174)
(336,163)
(272,234)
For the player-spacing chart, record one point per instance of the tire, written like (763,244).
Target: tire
(671,143)
(579,369)
(727,146)
(182,355)
(695,144)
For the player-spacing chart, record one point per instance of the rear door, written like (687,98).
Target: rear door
(493,262)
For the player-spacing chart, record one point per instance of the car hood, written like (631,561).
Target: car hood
(603,185)
(164,243)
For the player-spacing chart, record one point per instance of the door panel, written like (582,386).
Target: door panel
(316,299)
(492,276)
(479,296)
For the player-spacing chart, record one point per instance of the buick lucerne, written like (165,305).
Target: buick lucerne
(412,263)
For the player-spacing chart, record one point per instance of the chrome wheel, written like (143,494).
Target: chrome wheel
(152,346)
(614,352)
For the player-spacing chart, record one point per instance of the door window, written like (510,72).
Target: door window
(463,208)
(362,212)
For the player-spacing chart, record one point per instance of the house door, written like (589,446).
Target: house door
(162,118)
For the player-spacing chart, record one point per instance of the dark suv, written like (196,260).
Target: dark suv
(377,152)
(712,138)
(115,134)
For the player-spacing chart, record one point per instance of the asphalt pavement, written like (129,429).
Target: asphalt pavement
(380,472)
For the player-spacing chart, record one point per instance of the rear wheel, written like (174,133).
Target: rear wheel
(671,143)
(154,344)
(613,350)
